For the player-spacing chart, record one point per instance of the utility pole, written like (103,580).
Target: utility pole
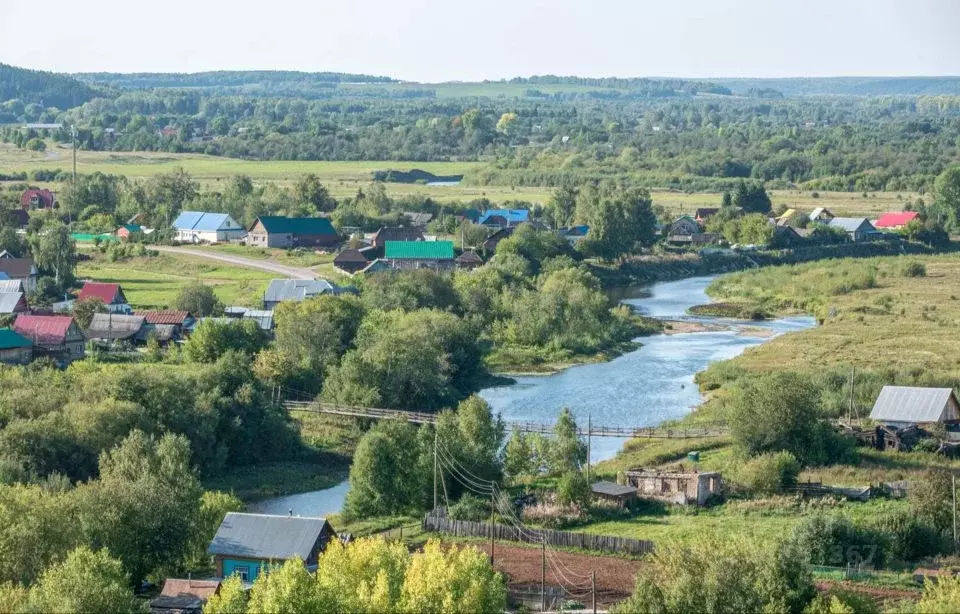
(853,371)
(492,528)
(589,434)
(543,573)
(593,588)
(435,468)
(73,133)
(954,483)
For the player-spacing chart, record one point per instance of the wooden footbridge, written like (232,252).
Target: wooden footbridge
(656,432)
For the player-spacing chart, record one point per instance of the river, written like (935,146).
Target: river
(640,388)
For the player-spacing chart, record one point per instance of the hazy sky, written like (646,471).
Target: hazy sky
(439,40)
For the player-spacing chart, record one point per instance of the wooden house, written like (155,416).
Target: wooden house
(702,214)
(895,220)
(490,245)
(680,486)
(504,218)
(296,290)
(418,218)
(245,543)
(13,302)
(56,336)
(126,230)
(857,228)
(469,260)
(290,232)
(395,233)
(15,349)
(903,406)
(116,327)
(37,199)
(166,325)
(437,255)
(684,226)
(822,215)
(351,260)
(111,295)
(20,268)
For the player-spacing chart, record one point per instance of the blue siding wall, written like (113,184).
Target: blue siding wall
(230,566)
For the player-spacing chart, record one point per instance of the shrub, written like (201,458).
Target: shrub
(914,269)
(573,489)
(940,597)
(770,473)
(907,537)
(835,541)
(840,601)
(469,507)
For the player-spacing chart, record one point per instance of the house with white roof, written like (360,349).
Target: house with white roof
(201,227)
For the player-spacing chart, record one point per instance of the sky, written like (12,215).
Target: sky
(452,40)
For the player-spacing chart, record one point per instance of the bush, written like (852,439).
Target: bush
(835,541)
(573,489)
(940,597)
(469,507)
(909,538)
(840,601)
(770,473)
(914,269)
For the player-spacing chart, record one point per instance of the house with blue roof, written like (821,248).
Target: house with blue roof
(504,218)
(202,227)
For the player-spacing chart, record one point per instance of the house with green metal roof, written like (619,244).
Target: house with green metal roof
(287,232)
(436,255)
(15,349)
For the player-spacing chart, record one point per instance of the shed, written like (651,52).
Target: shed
(15,349)
(245,542)
(351,260)
(113,327)
(184,596)
(469,260)
(897,220)
(821,214)
(287,232)
(126,230)
(620,494)
(902,406)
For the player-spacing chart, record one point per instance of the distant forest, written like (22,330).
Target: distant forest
(537,131)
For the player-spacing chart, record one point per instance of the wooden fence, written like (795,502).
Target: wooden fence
(564,539)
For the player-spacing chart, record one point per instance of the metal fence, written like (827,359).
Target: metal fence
(563,539)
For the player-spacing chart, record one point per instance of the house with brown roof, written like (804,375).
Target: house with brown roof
(37,199)
(167,324)
(56,336)
(396,233)
(111,295)
(490,245)
(468,260)
(351,260)
(22,269)
(184,596)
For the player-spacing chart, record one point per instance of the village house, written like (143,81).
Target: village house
(490,245)
(895,221)
(684,226)
(288,232)
(115,327)
(351,260)
(857,228)
(621,495)
(822,215)
(111,295)
(283,290)
(262,317)
(10,285)
(13,302)
(418,218)
(468,260)
(702,214)
(245,543)
(166,325)
(574,234)
(56,336)
(786,217)
(906,413)
(504,218)
(21,269)
(681,487)
(787,236)
(395,233)
(21,216)
(37,199)
(15,349)
(377,266)
(437,255)
(202,227)
(470,215)
(184,596)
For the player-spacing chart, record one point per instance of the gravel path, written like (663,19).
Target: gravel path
(264,265)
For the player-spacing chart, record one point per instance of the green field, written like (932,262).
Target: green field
(154,282)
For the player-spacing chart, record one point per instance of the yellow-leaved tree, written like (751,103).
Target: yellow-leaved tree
(455,580)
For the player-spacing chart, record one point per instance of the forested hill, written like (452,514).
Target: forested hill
(44,88)
(226,79)
(848,86)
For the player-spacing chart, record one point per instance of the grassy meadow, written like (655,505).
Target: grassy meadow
(153,282)
(344,178)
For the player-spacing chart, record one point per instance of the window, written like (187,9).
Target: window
(243,571)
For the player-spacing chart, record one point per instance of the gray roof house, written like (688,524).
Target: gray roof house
(10,285)
(281,290)
(859,228)
(12,302)
(906,405)
(245,542)
(115,327)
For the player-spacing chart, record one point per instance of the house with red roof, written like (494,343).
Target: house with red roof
(37,199)
(895,220)
(170,322)
(111,295)
(56,336)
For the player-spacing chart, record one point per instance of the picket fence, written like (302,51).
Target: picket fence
(563,539)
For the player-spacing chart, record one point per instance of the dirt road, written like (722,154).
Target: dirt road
(264,265)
